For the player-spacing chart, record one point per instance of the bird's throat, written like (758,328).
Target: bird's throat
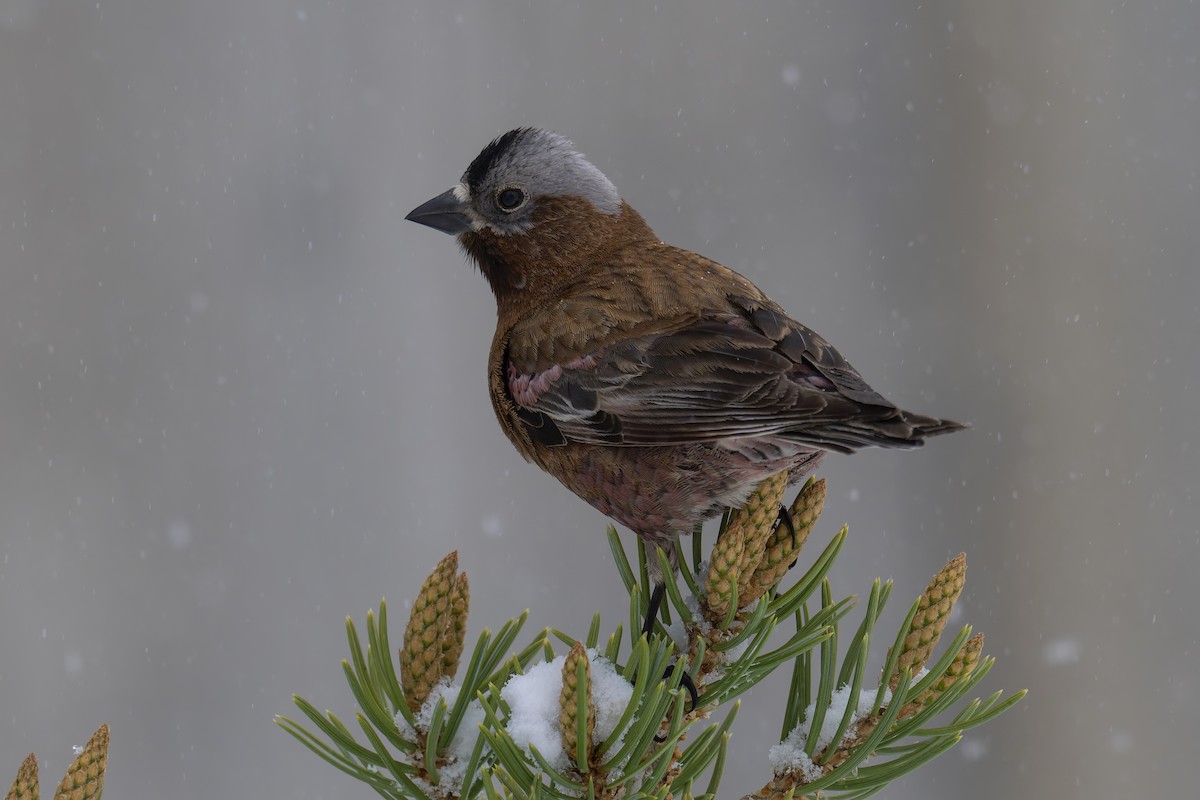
(569,238)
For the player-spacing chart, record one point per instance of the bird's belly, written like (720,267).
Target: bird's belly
(660,491)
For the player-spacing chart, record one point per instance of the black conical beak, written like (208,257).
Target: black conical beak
(445,213)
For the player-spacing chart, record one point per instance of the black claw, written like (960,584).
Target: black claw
(687,683)
(785,518)
(693,693)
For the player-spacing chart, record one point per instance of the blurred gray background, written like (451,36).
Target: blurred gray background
(241,398)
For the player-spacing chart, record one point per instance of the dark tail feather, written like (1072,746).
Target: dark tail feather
(932,426)
(897,430)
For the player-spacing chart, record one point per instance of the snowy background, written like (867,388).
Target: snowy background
(240,398)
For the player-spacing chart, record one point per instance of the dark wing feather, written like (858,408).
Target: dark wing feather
(744,371)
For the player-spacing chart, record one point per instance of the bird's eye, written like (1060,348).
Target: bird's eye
(510,199)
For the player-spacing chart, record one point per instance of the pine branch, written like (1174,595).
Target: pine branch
(613,722)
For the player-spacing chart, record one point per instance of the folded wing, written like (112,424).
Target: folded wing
(743,371)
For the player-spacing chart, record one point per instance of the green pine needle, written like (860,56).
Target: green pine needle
(582,695)
(638,758)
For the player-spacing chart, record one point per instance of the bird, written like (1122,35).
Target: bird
(658,385)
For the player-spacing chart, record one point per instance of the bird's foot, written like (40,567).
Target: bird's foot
(656,600)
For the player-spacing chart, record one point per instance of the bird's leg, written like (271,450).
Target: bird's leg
(656,599)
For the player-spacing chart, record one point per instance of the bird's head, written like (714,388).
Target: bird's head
(532,211)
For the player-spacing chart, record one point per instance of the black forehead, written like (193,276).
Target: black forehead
(491,154)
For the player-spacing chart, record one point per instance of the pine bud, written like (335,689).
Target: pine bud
(754,521)
(740,546)
(422,658)
(932,614)
(455,634)
(722,574)
(25,786)
(85,777)
(964,664)
(783,546)
(568,703)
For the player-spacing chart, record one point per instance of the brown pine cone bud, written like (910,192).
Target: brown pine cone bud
(455,635)
(25,785)
(932,614)
(783,547)
(85,777)
(422,657)
(964,664)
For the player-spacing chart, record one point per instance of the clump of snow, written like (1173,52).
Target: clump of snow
(533,698)
(534,702)
(678,633)
(427,788)
(406,731)
(459,751)
(737,651)
(693,605)
(789,755)
(692,602)
(440,689)
(610,694)
(457,755)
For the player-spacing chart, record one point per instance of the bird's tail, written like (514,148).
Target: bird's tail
(932,426)
(896,429)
